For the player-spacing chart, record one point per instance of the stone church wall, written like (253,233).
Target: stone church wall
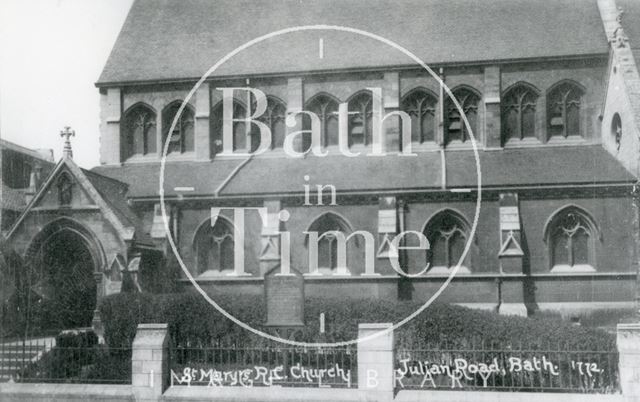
(614,249)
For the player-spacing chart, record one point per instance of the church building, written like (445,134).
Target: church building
(550,91)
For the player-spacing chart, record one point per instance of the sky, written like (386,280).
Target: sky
(51,54)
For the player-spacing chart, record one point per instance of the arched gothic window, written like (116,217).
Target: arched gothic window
(456,130)
(240,140)
(274,117)
(328,242)
(570,235)
(360,116)
(420,105)
(519,113)
(564,103)
(65,189)
(214,247)
(139,131)
(181,138)
(447,233)
(326,108)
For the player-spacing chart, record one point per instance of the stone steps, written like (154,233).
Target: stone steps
(16,355)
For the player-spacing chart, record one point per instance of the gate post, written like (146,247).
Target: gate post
(149,361)
(628,341)
(375,363)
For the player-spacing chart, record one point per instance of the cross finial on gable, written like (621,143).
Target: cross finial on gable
(68,133)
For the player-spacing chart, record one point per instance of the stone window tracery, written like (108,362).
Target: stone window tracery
(570,240)
(326,108)
(447,234)
(421,106)
(240,140)
(360,119)
(139,132)
(456,129)
(215,247)
(181,139)
(274,117)
(327,241)
(519,113)
(565,104)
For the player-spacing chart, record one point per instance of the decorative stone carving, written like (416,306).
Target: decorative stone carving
(619,39)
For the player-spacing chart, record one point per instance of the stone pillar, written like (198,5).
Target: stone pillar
(391,103)
(492,130)
(511,257)
(628,341)
(295,103)
(110,113)
(149,362)
(375,363)
(96,322)
(202,137)
(441,113)
(270,238)
(387,228)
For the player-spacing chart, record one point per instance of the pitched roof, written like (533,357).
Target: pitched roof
(114,193)
(107,193)
(182,39)
(12,199)
(45,155)
(542,166)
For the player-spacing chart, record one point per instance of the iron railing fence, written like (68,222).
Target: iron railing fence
(222,364)
(41,360)
(478,365)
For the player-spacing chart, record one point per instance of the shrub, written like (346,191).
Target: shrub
(192,321)
(76,339)
(73,351)
(606,317)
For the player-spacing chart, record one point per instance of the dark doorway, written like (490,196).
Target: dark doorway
(64,289)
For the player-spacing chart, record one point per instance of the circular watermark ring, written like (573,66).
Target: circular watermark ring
(319,28)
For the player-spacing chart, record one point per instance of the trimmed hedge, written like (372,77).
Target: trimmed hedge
(79,358)
(192,321)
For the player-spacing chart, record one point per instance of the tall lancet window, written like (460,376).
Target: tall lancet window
(570,235)
(360,119)
(455,128)
(327,226)
(274,118)
(447,233)
(564,105)
(240,138)
(326,108)
(65,189)
(214,247)
(181,139)
(519,113)
(420,105)
(139,129)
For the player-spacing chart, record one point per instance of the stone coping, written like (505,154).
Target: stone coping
(629,326)
(497,396)
(153,326)
(375,325)
(30,391)
(280,394)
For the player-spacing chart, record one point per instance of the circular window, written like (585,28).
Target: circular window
(616,129)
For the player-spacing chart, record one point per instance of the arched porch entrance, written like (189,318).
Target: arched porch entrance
(60,284)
